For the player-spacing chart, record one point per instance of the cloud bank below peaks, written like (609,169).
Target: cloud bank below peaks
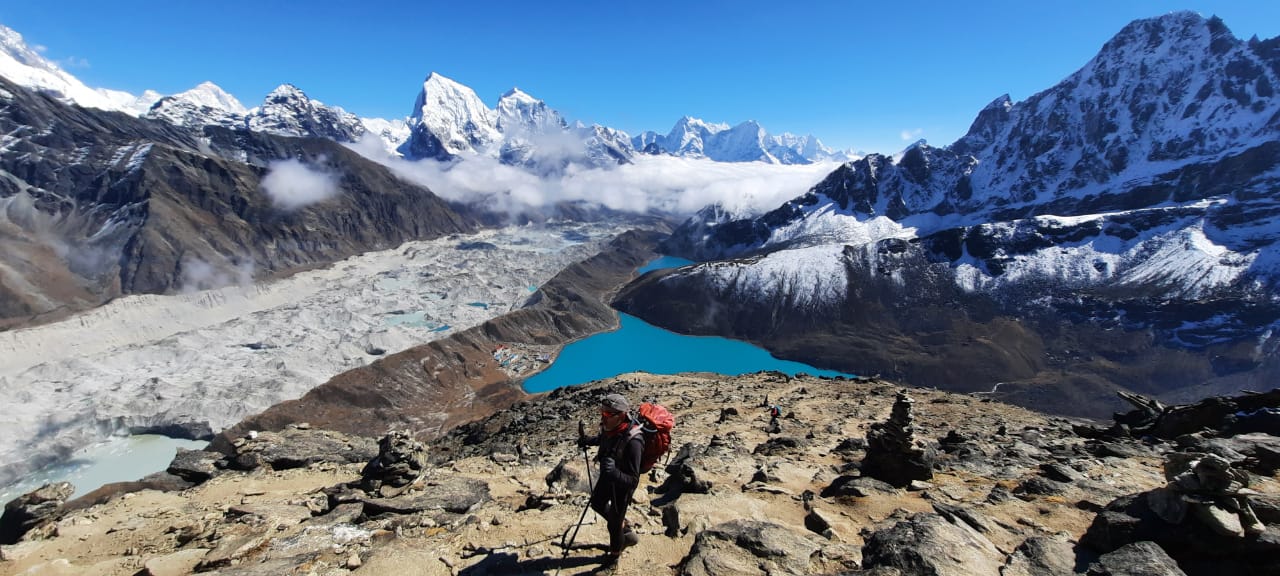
(678,186)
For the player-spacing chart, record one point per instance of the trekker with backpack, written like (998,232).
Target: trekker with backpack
(620,455)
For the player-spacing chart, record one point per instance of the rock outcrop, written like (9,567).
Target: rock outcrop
(32,510)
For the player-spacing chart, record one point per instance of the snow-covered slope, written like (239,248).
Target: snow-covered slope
(24,66)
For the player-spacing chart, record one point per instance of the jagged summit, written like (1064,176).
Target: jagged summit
(519,114)
(449,119)
(287,111)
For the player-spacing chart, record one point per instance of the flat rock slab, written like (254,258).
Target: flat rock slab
(453,494)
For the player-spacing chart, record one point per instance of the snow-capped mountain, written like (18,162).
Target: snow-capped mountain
(449,121)
(286,111)
(1138,195)
(746,142)
(205,105)
(24,66)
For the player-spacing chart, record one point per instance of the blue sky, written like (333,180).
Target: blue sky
(869,76)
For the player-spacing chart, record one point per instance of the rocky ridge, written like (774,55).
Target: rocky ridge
(1089,239)
(99,204)
(1011,492)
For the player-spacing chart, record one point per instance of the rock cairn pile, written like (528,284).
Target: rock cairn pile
(893,453)
(400,462)
(1210,491)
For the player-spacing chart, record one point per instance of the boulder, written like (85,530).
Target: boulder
(194,466)
(929,543)
(451,494)
(298,447)
(1131,519)
(1041,556)
(749,547)
(29,511)
(1137,559)
(566,476)
(857,486)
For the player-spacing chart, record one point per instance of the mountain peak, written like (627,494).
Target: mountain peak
(286,90)
(449,118)
(209,94)
(517,94)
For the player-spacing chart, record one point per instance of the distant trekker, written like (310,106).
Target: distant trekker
(775,412)
(619,457)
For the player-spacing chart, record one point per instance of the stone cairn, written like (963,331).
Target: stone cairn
(401,460)
(1208,489)
(893,453)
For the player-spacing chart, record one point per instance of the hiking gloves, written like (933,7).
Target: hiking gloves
(608,467)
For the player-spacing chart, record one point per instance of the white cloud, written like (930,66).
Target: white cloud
(676,185)
(911,135)
(200,275)
(74,62)
(291,184)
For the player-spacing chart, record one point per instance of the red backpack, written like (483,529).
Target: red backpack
(655,423)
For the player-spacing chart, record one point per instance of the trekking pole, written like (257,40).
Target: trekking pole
(565,543)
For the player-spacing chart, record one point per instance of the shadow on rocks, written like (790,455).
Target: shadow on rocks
(509,563)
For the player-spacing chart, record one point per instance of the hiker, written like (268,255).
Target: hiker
(775,412)
(619,456)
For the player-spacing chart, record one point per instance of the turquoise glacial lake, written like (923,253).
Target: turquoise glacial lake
(119,459)
(638,346)
(664,262)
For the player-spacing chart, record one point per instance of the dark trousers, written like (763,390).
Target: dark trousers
(610,501)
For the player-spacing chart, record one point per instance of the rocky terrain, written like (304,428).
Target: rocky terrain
(992,489)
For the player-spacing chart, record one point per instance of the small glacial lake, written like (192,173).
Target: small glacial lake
(120,459)
(638,346)
(664,262)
